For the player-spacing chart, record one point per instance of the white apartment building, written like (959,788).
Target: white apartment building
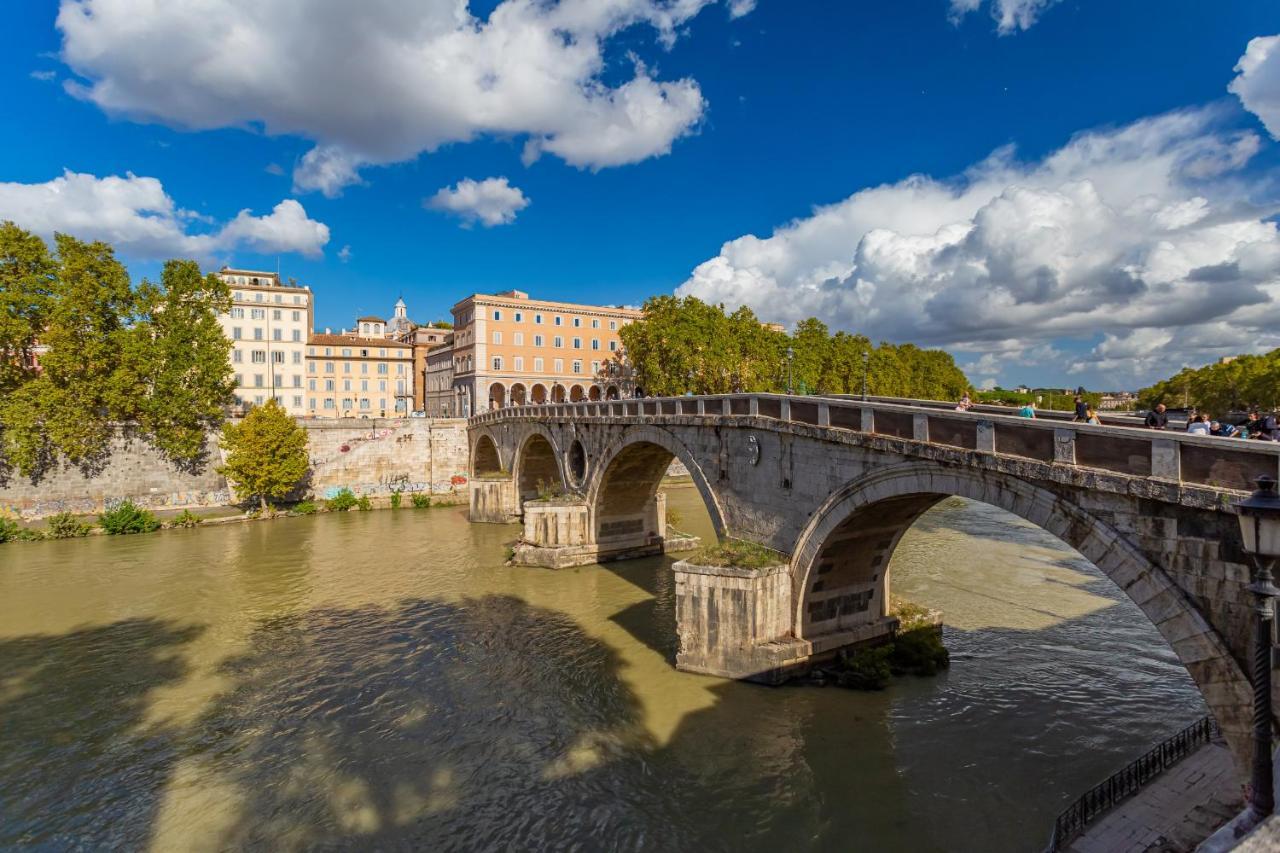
(268,325)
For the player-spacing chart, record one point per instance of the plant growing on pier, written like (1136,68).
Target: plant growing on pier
(266,454)
(395,500)
(305,508)
(127,517)
(673,517)
(866,668)
(738,553)
(420,501)
(9,529)
(64,525)
(342,501)
(364,504)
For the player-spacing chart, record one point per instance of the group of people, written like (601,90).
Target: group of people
(1084,413)
(1256,426)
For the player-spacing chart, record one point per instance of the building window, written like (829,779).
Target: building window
(537,365)
(382,353)
(595,367)
(276,314)
(328,351)
(237,313)
(277,357)
(297,402)
(297,299)
(518,339)
(577,366)
(497,362)
(537,340)
(595,343)
(364,402)
(382,385)
(497,337)
(236,333)
(613,325)
(519,317)
(257,333)
(297,316)
(257,314)
(558,319)
(257,382)
(595,322)
(312,404)
(328,385)
(382,367)
(577,322)
(346,367)
(328,367)
(279,298)
(297,356)
(311,385)
(557,341)
(613,346)
(239,380)
(297,336)
(364,367)
(537,319)
(577,343)
(259,356)
(346,403)
(519,363)
(497,315)
(346,385)
(277,335)
(257,297)
(559,365)
(237,356)
(346,352)
(297,380)
(328,402)
(364,384)
(364,353)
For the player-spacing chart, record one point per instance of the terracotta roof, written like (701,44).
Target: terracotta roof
(349,341)
(370,320)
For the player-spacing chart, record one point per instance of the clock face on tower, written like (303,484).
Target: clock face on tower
(753,450)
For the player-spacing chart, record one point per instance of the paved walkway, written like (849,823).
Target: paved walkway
(1174,813)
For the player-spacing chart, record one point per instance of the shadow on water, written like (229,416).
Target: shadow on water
(79,764)
(651,621)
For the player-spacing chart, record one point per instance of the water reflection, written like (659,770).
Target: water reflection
(380,680)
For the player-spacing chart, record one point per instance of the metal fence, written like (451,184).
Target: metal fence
(1127,781)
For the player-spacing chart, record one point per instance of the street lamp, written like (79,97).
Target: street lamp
(1259,516)
(866,364)
(791,353)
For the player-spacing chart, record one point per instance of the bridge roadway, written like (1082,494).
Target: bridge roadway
(832,484)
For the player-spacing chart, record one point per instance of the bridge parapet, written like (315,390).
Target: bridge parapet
(1168,456)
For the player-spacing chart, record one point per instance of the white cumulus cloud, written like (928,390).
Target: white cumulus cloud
(139,218)
(381,82)
(1119,232)
(1009,15)
(490,202)
(1257,82)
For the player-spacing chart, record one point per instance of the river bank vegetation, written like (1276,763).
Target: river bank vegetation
(1236,385)
(83,349)
(686,345)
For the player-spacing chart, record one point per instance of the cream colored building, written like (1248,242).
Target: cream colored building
(268,325)
(350,376)
(509,349)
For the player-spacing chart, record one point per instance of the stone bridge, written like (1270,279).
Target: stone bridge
(832,485)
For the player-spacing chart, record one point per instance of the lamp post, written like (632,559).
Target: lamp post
(791,353)
(866,364)
(1259,516)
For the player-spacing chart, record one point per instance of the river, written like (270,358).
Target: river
(381,680)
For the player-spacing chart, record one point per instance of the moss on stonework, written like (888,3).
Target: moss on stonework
(736,553)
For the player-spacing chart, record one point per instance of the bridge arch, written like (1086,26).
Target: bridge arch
(839,568)
(538,394)
(626,474)
(536,463)
(485,457)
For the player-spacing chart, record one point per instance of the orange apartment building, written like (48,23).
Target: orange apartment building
(509,349)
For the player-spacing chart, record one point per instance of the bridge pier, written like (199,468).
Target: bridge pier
(559,533)
(493,500)
(736,623)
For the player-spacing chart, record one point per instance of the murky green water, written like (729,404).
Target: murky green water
(380,681)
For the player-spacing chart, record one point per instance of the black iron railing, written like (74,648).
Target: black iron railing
(1127,781)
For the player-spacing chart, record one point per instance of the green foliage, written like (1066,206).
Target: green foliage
(395,500)
(186,518)
(342,501)
(154,356)
(266,453)
(64,525)
(867,668)
(420,501)
(305,508)
(1244,383)
(10,530)
(919,651)
(127,517)
(1054,401)
(736,552)
(364,503)
(673,517)
(686,345)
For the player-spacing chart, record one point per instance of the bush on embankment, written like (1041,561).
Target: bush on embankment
(127,517)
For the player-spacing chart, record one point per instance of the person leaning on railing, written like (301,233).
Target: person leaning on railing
(1157,419)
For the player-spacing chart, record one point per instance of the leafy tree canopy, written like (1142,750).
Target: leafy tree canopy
(266,454)
(684,344)
(1242,383)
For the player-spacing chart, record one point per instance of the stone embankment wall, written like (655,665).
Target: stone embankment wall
(370,457)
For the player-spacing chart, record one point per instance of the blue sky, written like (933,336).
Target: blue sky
(666,135)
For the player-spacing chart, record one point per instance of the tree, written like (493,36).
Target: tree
(175,369)
(266,454)
(68,408)
(26,288)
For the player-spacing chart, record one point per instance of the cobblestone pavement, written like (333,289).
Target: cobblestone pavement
(1174,813)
